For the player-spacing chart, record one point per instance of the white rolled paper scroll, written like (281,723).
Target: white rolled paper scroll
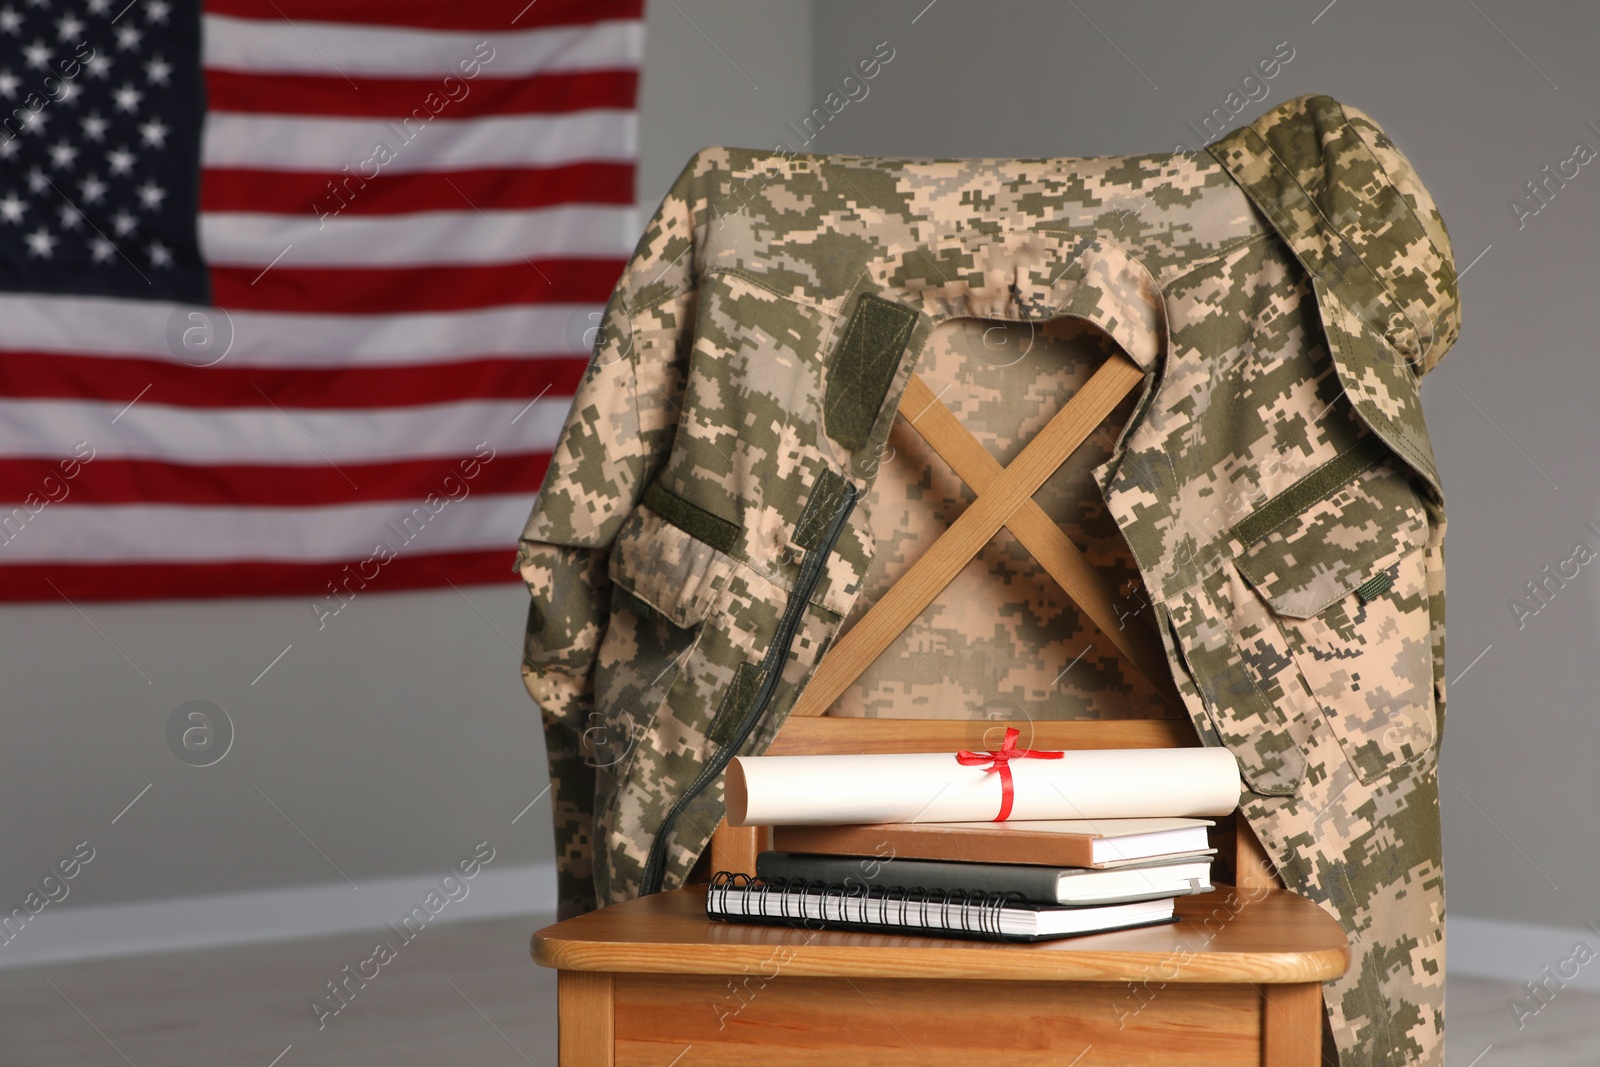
(921,787)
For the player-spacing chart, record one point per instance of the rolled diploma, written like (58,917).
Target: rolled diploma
(925,787)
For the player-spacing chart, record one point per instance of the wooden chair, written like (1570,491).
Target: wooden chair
(1235,981)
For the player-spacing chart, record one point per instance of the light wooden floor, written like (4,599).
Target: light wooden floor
(1564,1034)
(467,994)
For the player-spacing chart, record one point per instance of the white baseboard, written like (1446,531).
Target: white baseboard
(1519,952)
(62,933)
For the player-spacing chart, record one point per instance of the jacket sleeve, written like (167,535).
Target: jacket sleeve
(616,436)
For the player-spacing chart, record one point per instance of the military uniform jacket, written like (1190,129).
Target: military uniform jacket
(705,528)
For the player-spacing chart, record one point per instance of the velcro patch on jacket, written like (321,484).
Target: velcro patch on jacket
(863,366)
(1374,587)
(1310,489)
(691,518)
(641,606)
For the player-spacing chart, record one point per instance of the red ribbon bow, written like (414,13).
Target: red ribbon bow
(1000,760)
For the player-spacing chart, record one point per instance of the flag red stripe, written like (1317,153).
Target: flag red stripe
(395,290)
(106,480)
(293,192)
(395,98)
(40,375)
(430,14)
(249,578)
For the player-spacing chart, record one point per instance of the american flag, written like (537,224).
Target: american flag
(297,290)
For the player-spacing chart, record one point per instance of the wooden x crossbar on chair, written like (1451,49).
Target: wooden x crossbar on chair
(1005,498)
(1235,981)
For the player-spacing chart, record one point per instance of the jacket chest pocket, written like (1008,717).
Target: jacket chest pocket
(665,584)
(1344,580)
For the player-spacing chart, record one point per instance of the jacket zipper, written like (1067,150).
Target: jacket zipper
(812,567)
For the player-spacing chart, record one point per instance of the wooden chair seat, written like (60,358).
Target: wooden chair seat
(652,981)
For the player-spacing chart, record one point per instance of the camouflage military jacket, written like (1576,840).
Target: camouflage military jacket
(713,513)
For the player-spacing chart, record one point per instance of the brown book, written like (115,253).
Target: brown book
(1100,843)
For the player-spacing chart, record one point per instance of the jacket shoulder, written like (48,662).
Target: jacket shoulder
(1362,193)
(703,220)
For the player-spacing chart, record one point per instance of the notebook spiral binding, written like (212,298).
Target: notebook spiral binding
(859,906)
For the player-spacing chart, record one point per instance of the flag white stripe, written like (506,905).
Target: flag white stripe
(177,533)
(423,238)
(281,143)
(105,326)
(304,436)
(335,49)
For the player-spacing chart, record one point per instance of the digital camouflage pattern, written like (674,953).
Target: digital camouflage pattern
(1270,503)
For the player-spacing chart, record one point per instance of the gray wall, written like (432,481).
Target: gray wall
(401,734)
(1512,408)
(717,72)
(394,738)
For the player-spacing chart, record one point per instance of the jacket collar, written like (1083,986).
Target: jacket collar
(1030,276)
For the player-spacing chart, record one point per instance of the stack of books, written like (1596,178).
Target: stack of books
(1011,881)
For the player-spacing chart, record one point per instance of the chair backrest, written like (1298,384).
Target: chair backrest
(1004,498)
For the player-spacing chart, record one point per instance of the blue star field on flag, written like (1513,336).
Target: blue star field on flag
(99,148)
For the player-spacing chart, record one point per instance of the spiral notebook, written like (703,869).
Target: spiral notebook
(930,912)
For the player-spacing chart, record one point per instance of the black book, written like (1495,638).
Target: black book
(1079,886)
